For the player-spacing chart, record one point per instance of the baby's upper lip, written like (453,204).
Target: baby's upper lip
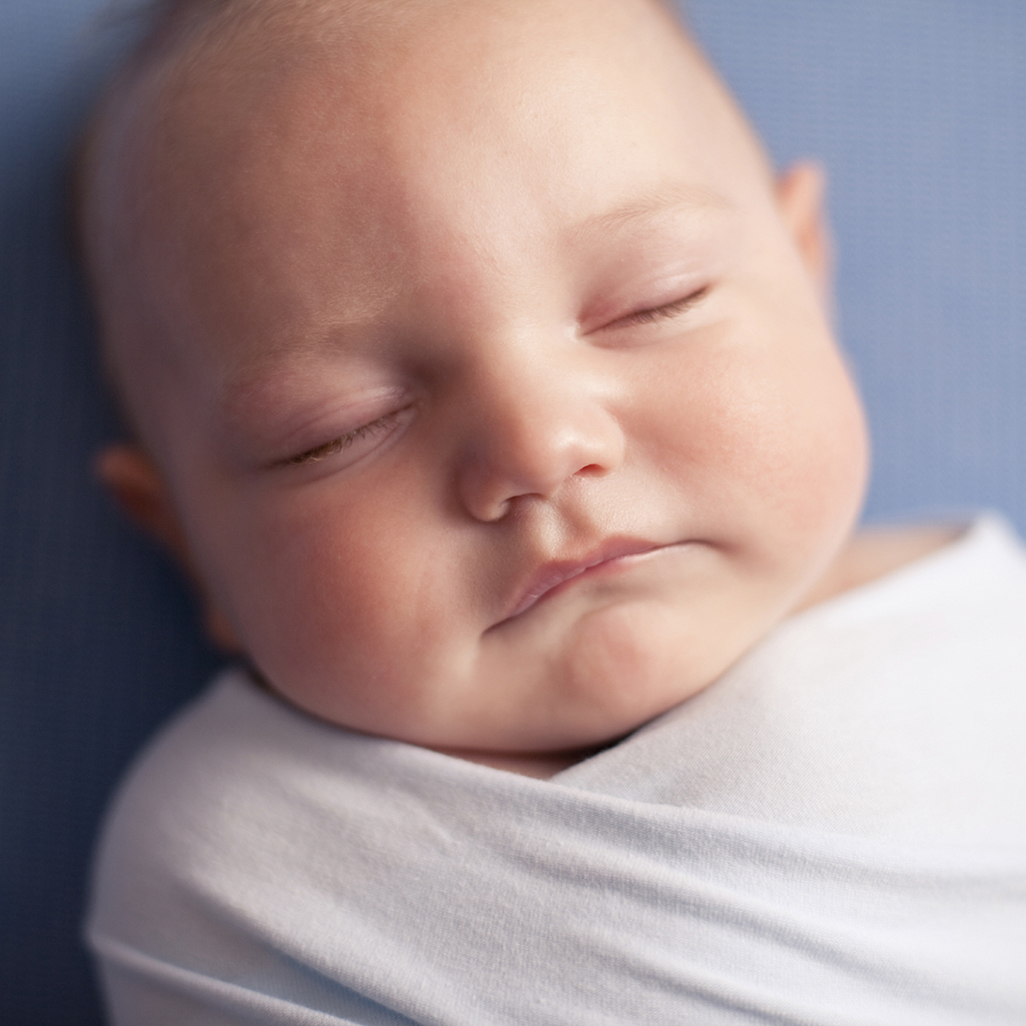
(551,575)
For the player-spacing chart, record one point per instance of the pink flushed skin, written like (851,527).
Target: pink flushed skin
(552,578)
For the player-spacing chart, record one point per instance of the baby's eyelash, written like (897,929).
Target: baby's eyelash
(343,442)
(661,313)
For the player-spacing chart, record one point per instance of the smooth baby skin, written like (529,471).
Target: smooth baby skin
(418,317)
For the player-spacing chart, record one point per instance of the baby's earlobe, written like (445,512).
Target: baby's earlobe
(139,489)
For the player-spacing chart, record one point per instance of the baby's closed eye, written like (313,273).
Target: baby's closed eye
(361,438)
(665,311)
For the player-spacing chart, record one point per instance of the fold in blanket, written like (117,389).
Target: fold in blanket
(833,833)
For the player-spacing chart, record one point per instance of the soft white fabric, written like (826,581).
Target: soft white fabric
(833,833)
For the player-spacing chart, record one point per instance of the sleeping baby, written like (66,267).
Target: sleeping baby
(479,372)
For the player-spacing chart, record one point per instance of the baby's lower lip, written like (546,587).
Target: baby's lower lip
(605,567)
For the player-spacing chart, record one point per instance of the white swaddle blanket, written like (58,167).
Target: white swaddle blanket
(833,833)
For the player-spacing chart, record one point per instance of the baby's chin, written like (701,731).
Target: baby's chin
(620,667)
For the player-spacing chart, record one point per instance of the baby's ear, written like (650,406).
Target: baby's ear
(801,197)
(139,489)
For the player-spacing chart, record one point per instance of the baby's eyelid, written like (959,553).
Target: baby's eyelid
(663,311)
(343,442)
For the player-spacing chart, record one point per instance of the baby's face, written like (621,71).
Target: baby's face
(496,401)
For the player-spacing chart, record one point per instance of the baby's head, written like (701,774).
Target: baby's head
(479,367)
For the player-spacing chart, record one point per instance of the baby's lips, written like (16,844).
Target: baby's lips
(552,575)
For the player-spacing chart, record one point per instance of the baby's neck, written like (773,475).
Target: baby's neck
(542,765)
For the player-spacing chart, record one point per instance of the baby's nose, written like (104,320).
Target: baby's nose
(532,427)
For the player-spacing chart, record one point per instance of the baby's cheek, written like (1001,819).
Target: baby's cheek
(350,633)
(280,583)
(825,478)
(793,436)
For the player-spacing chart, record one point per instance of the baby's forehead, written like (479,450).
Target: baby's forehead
(381,59)
(213,77)
(200,50)
(229,92)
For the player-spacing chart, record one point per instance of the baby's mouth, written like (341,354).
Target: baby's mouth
(554,577)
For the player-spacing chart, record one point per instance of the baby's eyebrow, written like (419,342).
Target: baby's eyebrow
(668,200)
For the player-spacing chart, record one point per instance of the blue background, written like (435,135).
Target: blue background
(918,109)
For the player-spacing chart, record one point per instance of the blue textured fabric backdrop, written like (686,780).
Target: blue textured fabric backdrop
(918,109)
